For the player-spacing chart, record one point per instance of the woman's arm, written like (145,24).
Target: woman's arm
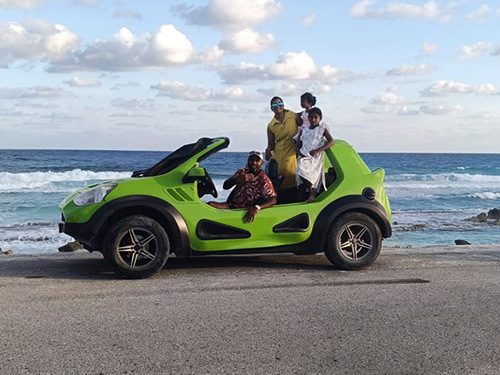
(271,141)
(298,119)
(298,144)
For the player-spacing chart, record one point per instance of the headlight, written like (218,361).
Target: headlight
(94,195)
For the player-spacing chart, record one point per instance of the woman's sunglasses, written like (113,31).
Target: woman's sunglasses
(275,105)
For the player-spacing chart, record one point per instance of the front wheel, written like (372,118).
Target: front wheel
(136,246)
(354,241)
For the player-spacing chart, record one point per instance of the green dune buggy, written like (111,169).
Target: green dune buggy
(139,222)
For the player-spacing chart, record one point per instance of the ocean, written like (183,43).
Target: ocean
(431,195)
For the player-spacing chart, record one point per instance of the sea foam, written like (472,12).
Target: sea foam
(486,195)
(46,181)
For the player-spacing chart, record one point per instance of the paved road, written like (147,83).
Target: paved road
(415,311)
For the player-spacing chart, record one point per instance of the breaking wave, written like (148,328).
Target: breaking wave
(452,177)
(51,182)
(486,195)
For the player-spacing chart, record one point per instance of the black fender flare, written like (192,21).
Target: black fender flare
(350,203)
(168,215)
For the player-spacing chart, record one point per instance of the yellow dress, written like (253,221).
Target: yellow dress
(284,149)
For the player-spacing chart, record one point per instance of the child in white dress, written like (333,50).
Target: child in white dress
(310,147)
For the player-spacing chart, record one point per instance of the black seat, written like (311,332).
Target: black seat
(273,173)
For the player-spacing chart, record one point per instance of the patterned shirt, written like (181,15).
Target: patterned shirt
(252,192)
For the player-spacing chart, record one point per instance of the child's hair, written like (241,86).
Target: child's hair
(276,98)
(309,98)
(315,111)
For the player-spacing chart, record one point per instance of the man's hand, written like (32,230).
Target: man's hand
(250,215)
(241,179)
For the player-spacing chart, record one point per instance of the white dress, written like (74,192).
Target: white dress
(312,167)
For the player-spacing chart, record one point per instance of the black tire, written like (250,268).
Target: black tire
(354,241)
(136,247)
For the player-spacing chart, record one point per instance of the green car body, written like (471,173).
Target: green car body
(162,205)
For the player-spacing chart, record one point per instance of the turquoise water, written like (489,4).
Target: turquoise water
(436,192)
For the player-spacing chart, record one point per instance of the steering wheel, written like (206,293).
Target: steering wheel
(207,186)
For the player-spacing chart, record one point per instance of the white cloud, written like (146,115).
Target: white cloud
(290,66)
(34,40)
(14,112)
(126,51)
(385,102)
(134,104)
(247,41)
(169,46)
(388,98)
(218,108)
(293,65)
(409,70)
(308,20)
(31,104)
(471,52)
(405,111)
(479,14)
(363,9)
(119,86)
(128,14)
(211,54)
(332,75)
(428,49)
(47,92)
(19,4)
(294,89)
(288,88)
(80,82)
(485,115)
(230,14)
(86,3)
(487,88)
(242,73)
(179,90)
(60,116)
(440,109)
(443,87)
(130,115)
(378,109)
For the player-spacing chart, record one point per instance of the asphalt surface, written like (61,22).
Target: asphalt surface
(415,311)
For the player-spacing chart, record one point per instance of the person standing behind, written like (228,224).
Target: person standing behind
(281,146)
(310,164)
(307,101)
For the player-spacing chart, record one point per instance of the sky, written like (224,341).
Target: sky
(389,76)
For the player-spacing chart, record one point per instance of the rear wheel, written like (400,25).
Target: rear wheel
(354,241)
(137,246)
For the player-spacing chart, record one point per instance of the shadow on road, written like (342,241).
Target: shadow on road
(82,266)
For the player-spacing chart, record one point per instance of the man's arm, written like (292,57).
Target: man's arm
(252,211)
(229,183)
(239,178)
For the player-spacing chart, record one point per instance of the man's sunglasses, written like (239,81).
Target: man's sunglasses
(275,105)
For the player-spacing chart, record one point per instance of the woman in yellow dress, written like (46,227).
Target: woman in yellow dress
(281,146)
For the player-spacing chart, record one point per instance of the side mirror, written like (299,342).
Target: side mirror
(194,174)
